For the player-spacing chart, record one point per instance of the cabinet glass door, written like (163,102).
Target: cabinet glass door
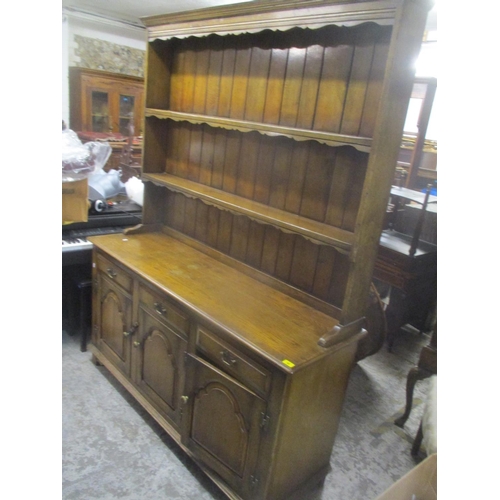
(126,118)
(100,111)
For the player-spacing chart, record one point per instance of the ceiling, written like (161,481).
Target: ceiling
(130,11)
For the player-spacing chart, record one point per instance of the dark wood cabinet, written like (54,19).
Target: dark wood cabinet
(105,102)
(272,131)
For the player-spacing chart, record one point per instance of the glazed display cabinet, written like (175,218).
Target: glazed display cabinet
(105,102)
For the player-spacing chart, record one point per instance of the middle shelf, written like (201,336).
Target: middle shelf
(296,133)
(311,229)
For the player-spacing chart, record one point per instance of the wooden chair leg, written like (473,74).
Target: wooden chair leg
(414,375)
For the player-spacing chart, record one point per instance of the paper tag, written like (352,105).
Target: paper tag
(288,363)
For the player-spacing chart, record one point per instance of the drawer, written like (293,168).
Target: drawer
(161,307)
(233,362)
(114,272)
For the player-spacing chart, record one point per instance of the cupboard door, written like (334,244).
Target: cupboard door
(222,424)
(97,104)
(158,360)
(114,324)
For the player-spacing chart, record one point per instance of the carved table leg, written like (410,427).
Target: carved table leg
(417,441)
(414,375)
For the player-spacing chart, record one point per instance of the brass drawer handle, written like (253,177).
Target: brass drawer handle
(228,359)
(111,273)
(160,309)
(136,344)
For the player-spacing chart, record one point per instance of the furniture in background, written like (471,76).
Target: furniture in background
(427,430)
(104,102)
(418,157)
(120,145)
(426,367)
(408,265)
(233,313)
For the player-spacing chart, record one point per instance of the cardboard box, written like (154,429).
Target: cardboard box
(421,482)
(75,204)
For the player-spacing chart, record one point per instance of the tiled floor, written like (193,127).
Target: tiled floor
(113,450)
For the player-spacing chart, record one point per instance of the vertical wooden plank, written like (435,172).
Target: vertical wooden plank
(292,86)
(201,226)
(188,79)
(285,256)
(179,210)
(176,80)
(358,81)
(226,81)
(270,250)
(339,187)
(183,148)
(323,272)
(207,156)
(317,183)
(298,168)
(332,89)
(240,82)
(257,84)
(231,160)
(224,233)
(256,234)
(305,255)
(310,87)
(219,158)
(264,170)
(248,164)
(201,78)
(239,237)
(281,170)
(375,84)
(340,274)
(190,216)
(172,158)
(195,147)
(213,226)
(275,86)
(356,181)
(214,75)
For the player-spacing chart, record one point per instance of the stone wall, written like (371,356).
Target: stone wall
(98,54)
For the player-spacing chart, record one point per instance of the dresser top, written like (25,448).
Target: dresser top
(282,329)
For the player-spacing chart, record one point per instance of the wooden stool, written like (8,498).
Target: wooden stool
(80,296)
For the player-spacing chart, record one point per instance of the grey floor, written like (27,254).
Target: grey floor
(112,449)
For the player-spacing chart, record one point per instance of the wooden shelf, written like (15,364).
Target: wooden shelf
(331,139)
(317,231)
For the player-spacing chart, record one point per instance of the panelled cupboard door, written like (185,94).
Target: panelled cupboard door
(222,424)
(158,357)
(115,323)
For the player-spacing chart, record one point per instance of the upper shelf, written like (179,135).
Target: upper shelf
(311,229)
(299,134)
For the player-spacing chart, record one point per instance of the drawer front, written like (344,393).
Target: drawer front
(163,308)
(236,364)
(114,273)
